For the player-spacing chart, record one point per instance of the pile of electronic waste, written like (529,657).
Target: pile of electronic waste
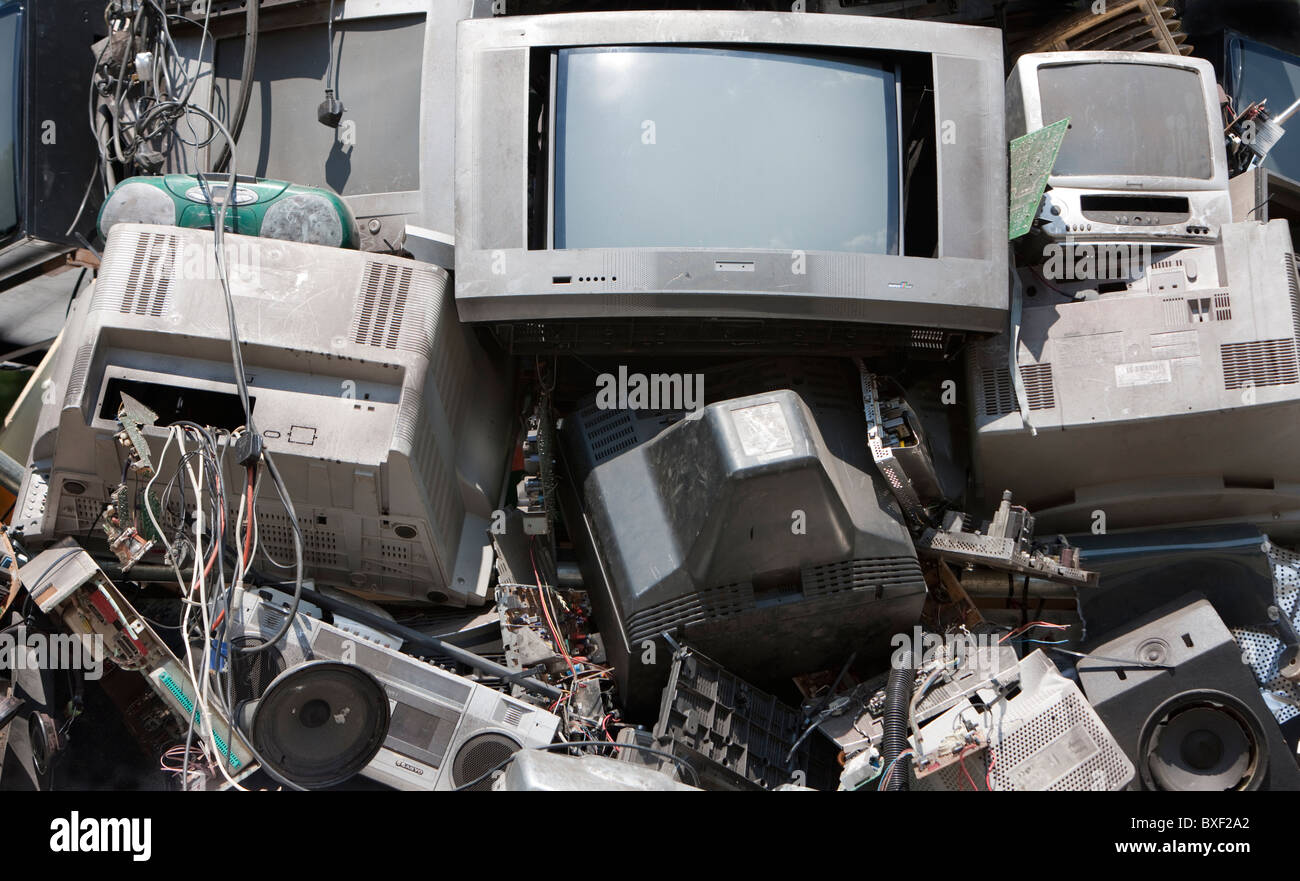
(317,498)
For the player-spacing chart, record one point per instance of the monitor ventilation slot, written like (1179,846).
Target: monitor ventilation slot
(150,278)
(392,562)
(608,432)
(928,338)
(87,511)
(513,714)
(1223,306)
(877,574)
(394,559)
(319,544)
(1175,311)
(1292,262)
(1259,363)
(998,396)
(1181,311)
(438,477)
(77,381)
(1038,386)
(382,305)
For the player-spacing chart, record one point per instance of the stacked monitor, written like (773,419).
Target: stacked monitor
(1174,398)
(388,423)
(660,180)
(1144,155)
(756,522)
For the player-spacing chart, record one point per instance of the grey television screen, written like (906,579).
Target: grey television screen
(729,180)
(683,133)
(1163,108)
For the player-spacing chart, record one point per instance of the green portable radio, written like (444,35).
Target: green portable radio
(274,209)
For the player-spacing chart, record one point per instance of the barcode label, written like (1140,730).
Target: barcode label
(1142,373)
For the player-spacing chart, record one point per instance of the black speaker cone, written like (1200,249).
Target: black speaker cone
(320,723)
(1203,741)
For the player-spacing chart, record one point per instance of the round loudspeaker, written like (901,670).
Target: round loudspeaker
(136,202)
(304,217)
(320,723)
(43,736)
(478,755)
(1203,741)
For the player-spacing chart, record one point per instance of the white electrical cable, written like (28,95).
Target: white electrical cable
(188,605)
(203,691)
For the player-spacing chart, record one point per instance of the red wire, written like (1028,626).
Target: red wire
(555,631)
(248,526)
(604,726)
(962,760)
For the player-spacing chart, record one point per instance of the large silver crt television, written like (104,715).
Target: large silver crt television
(697,180)
(1144,156)
(388,423)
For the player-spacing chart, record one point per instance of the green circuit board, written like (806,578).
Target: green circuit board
(1032,158)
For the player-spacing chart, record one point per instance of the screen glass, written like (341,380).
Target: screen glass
(720,148)
(10,108)
(1135,119)
(377,76)
(1264,73)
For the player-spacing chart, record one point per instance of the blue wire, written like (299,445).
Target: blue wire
(905,754)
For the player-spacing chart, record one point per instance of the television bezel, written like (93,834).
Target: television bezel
(499,278)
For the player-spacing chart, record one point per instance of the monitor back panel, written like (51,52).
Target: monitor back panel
(387,421)
(1174,400)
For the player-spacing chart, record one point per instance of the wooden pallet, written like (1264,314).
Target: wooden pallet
(1123,26)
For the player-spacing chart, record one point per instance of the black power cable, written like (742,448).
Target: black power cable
(245,88)
(330,111)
